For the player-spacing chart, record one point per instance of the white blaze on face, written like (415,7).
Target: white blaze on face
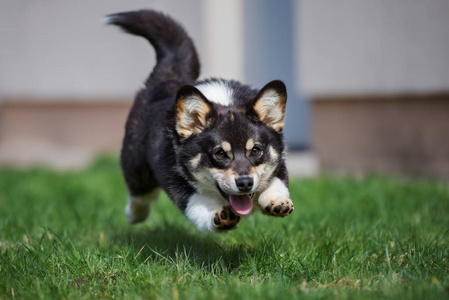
(217,92)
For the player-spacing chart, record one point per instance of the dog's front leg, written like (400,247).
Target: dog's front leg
(209,213)
(275,200)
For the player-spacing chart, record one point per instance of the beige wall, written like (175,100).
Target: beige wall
(60,49)
(223,39)
(373,47)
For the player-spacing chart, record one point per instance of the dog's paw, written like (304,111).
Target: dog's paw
(279,207)
(136,213)
(225,219)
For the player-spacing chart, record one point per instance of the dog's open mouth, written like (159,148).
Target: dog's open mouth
(241,204)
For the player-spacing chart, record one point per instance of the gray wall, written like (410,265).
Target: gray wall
(373,47)
(60,49)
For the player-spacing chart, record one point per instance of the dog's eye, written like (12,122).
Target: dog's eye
(220,154)
(256,151)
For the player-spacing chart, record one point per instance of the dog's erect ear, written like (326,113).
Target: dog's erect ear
(192,110)
(269,104)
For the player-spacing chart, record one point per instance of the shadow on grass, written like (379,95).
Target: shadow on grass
(177,245)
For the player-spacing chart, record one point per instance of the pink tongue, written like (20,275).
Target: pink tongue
(241,204)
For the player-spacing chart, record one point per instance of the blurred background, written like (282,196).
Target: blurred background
(368,81)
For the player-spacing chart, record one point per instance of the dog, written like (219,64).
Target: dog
(215,146)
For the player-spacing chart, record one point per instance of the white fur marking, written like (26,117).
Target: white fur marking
(226,181)
(217,92)
(108,19)
(274,155)
(277,189)
(194,162)
(201,211)
(138,206)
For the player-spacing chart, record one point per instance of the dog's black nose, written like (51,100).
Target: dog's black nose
(245,184)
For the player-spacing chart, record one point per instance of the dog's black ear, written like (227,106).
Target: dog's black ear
(269,104)
(192,111)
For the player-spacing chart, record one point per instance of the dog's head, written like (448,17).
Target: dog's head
(230,138)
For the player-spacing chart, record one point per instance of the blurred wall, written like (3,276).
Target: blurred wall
(373,47)
(60,49)
(377,74)
(67,80)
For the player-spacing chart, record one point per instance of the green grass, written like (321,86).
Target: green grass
(64,235)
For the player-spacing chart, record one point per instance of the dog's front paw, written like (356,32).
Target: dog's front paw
(225,219)
(279,207)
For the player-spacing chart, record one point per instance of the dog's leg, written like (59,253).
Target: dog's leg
(138,207)
(140,181)
(275,200)
(211,214)
(225,219)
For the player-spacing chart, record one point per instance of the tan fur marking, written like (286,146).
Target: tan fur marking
(179,111)
(226,146)
(271,109)
(191,116)
(249,144)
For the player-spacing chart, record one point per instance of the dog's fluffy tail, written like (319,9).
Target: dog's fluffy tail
(175,52)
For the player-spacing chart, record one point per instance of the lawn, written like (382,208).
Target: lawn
(64,235)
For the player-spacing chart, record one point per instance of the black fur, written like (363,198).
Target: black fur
(177,65)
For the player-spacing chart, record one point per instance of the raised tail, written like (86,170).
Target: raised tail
(175,52)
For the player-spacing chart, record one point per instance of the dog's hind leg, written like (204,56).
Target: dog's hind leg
(141,193)
(142,185)
(138,207)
